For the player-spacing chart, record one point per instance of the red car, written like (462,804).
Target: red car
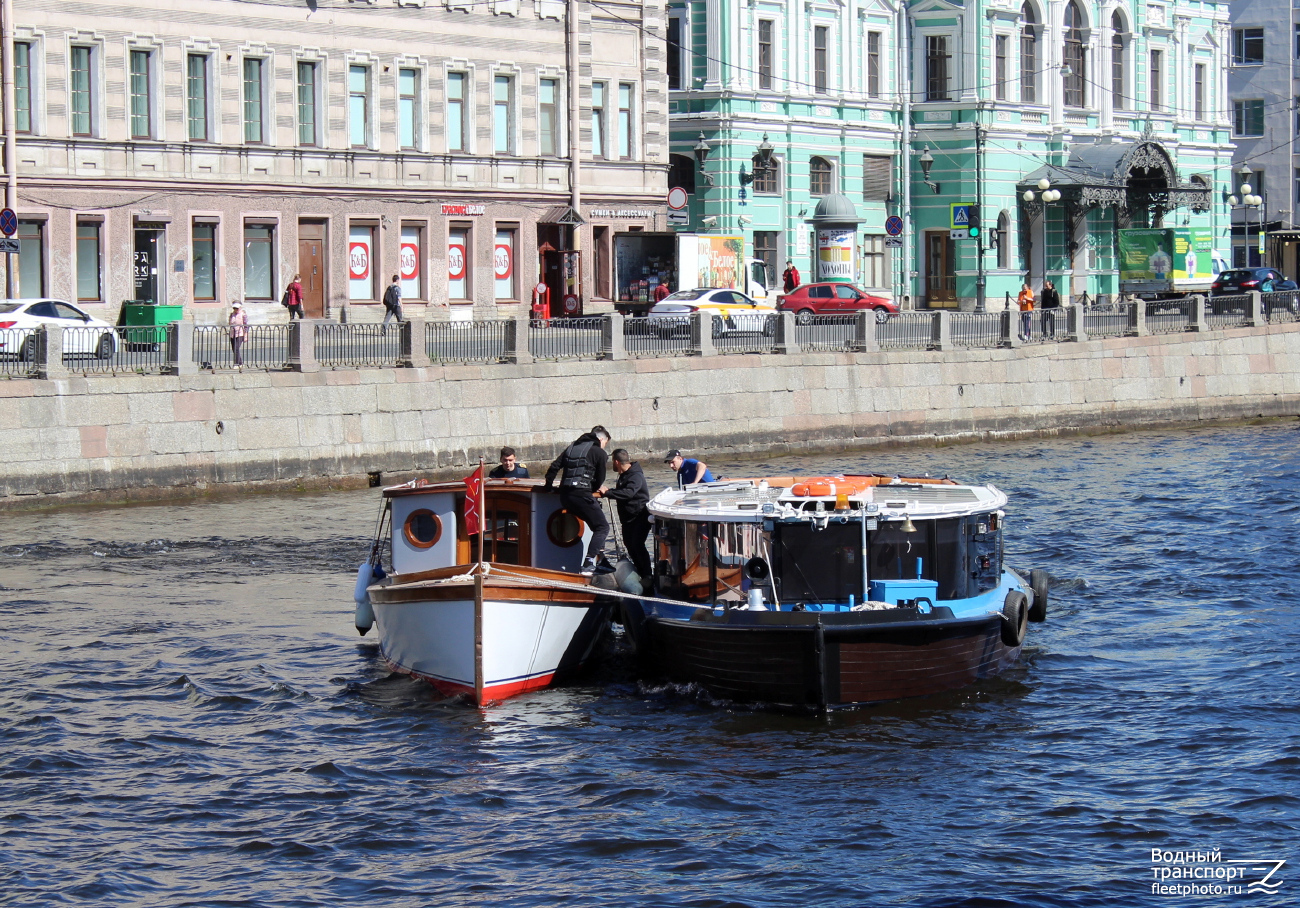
(808,300)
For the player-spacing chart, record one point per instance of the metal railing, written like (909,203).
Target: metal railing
(664,336)
(1228,311)
(17,353)
(467,342)
(976,329)
(744,332)
(266,347)
(358,345)
(1170,316)
(1109,320)
(836,333)
(567,338)
(907,330)
(141,350)
(1281,305)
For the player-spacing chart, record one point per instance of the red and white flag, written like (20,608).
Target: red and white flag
(473,501)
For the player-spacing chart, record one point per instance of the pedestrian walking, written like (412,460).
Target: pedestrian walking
(1026,300)
(631,495)
(238,331)
(581,469)
(790,277)
(292,299)
(1049,303)
(393,301)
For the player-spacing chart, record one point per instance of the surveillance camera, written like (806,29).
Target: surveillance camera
(746,219)
(711,221)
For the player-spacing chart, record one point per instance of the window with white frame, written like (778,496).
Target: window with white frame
(1118,40)
(626,121)
(254,92)
(1028,55)
(875,262)
(1247,46)
(408,109)
(90,282)
(503,126)
(821,58)
(874,64)
(22,86)
(203,238)
(140,92)
(358,105)
(938,64)
(820,176)
(765,53)
(677,77)
(308,77)
(598,119)
(548,116)
(1075,73)
(259,261)
(456,101)
(411,262)
(81,90)
(1248,118)
(1156,80)
(1000,63)
(196,97)
(1198,92)
(362,273)
(503,264)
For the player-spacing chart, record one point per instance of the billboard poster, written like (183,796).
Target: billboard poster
(1165,253)
(835,254)
(1193,248)
(721,261)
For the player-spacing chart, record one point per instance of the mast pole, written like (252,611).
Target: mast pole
(478,594)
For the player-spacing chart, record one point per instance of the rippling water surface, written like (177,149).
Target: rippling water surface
(188,718)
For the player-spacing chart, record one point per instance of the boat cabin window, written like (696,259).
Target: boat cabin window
(565,528)
(423,528)
(705,561)
(938,550)
(507,540)
(818,565)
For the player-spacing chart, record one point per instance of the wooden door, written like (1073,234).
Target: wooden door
(312,267)
(940,281)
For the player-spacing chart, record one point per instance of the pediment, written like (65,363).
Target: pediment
(935,6)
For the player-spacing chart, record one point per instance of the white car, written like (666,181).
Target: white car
(84,334)
(740,313)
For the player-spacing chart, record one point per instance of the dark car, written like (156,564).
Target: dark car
(808,300)
(1244,280)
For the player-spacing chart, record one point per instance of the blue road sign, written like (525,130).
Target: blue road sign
(894,225)
(8,222)
(960,215)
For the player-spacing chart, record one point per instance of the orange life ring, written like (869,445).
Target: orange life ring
(826,486)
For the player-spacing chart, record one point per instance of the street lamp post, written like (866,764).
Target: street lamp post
(1047,194)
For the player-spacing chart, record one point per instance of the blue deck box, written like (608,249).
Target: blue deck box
(895,591)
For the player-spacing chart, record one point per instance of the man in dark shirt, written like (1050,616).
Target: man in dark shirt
(509,468)
(581,468)
(632,494)
(1049,302)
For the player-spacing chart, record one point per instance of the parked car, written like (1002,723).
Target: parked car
(671,315)
(1244,280)
(808,300)
(19,320)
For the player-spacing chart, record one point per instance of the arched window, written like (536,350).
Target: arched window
(766,181)
(1074,56)
(819,176)
(1117,61)
(1028,55)
(1003,239)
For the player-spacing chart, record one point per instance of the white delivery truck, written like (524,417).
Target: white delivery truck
(682,261)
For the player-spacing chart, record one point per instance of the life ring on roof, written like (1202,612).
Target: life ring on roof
(820,486)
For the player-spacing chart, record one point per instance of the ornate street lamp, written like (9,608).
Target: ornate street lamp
(926,160)
(701,155)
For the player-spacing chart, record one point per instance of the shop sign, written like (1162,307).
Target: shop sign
(410,261)
(359,261)
(502,262)
(455,261)
(621,213)
(463,210)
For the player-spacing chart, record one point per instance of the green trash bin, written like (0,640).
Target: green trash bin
(145,323)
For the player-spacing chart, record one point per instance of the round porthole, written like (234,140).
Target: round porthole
(565,528)
(422,529)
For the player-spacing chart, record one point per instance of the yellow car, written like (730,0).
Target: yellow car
(737,313)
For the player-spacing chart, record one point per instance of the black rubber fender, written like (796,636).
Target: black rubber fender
(1038,583)
(1015,618)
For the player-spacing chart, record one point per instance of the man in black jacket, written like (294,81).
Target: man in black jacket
(581,467)
(632,495)
(1049,302)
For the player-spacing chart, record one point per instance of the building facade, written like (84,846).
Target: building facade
(204,152)
(1122,108)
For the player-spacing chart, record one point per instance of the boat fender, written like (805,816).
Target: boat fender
(1015,618)
(632,584)
(1038,583)
(365,613)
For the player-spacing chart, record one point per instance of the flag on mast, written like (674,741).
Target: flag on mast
(474,501)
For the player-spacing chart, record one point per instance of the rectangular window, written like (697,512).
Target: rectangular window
(625,120)
(821,37)
(196,97)
(1247,46)
(411,262)
(875,262)
(1156,77)
(1297,40)
(359,108)
(936,67)
(252,100)
(82,119)
(877,177)
(503,264)
(766,180)
(361,262)
(31,258)
(458,263)
(598,119)
(22,86)
(502,115)
(1028,65)
(674,53)
(873,64)
(548,122)
(765,54)
(89,285)
(1000,68)
(1198,92)
(765,252)
(306,103)
(139,87)
(1117,72)
(455,111)
(259,258)
(205,260)
(408,108)
(1248,118)
(1297,184)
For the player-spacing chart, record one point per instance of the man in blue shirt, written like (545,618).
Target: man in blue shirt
(689,470)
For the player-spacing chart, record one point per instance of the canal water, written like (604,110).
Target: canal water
(188,718)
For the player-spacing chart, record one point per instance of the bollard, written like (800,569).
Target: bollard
(302,346)
(1196,314)
(180,349)
(702,334)
(1074,330)
(941,330)
(785,339)
(1255,310)
(865,336)
(517,329)
(1010,327)
(1137,324)
(414,354)
(612,345)
(49,353)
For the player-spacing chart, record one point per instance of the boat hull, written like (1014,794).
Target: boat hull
(822,662)
(527,644)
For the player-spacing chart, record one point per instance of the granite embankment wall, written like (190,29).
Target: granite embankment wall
(152,436)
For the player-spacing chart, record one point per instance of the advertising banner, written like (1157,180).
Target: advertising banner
(721,261)
(1165,253)
(835,254)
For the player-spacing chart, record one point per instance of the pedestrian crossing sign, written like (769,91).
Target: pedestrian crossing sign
(960,215)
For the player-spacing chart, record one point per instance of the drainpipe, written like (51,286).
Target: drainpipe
(575,166)
(11,136)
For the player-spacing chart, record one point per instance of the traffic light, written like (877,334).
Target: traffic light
(973,222)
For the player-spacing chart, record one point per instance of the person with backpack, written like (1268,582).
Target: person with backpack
(292,299)
(393,301)
(581,469)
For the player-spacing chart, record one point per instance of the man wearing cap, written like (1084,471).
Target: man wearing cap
(689,470)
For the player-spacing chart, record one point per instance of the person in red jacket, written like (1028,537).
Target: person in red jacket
(293,298)
(790,277)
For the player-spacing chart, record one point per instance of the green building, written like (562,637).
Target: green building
(1051,124)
